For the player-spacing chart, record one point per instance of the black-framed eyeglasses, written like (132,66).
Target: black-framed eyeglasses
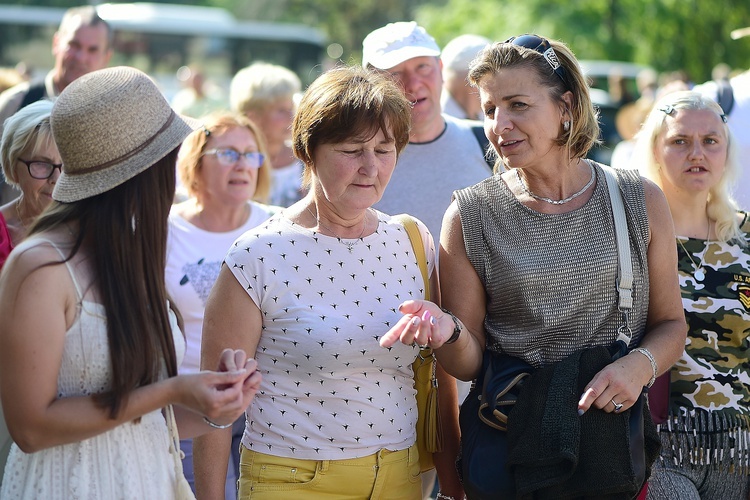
(41,169)
(543,47)
(229,157)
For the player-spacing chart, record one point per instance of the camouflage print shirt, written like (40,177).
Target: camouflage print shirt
(714,371)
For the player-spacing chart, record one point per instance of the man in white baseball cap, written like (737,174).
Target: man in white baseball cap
(459,98)
(444,153)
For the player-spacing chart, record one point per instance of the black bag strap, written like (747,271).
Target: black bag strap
(35,93)
(484,145)
(724,95)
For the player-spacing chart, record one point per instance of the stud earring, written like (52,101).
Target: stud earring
(566,126)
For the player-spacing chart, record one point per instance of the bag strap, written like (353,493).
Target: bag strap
(417,245)
(625,274)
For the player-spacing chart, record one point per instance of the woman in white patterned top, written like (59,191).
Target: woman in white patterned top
(309,293)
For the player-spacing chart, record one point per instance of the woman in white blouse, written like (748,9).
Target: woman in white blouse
(224,169)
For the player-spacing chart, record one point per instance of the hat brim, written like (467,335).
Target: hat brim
(393,58)
(70,188)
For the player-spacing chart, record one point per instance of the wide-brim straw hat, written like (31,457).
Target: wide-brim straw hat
(110,125)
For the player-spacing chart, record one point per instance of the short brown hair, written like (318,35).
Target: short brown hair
(190,162)
(584,130)
(348,102)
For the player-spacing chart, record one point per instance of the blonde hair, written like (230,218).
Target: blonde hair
(584,127)
(721,207)
(27,131)
(260,84)
(190,160)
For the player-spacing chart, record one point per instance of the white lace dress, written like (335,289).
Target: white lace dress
(131,461)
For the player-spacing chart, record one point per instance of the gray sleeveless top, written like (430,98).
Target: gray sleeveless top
(550,280)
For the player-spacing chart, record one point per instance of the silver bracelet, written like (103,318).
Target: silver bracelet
(651,360)
(217,426)
(440,496)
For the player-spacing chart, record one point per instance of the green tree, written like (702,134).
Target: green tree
(690,35)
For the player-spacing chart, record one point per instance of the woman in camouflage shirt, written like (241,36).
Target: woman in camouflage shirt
(686,148)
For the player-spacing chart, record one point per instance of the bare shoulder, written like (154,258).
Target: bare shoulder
(655,198)
(452,232)
(657,206)
(35,264)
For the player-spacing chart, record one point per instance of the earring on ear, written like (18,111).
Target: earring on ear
(566,126)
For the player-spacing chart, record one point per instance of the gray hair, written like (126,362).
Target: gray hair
(28,130)
(88,16)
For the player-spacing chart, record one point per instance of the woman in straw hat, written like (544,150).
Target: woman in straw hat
(89,350)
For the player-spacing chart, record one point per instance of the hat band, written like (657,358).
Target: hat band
(126,156)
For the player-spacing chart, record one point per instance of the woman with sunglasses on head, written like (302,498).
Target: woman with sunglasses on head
(31,163)
(686,148)
(529,259)
(224,169)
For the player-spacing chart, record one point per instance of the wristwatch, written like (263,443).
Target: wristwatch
(456,329)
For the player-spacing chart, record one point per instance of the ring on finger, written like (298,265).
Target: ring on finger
(618,407)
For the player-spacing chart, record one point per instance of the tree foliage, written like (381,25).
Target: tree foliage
(692,35)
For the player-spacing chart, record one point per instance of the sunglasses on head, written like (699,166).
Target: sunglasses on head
(543,47)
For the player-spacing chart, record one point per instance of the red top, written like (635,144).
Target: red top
(6,245)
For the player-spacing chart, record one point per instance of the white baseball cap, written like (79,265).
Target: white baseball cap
(459,52)
(395,43)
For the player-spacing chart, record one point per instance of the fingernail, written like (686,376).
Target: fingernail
(433,322)
(426,316)
(415,321)
(580,412)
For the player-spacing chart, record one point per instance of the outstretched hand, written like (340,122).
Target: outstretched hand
(423,323)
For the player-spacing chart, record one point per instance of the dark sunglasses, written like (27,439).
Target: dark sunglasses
(543,47)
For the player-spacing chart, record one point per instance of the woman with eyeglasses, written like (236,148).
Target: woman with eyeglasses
(224,169)
(529,259)
(31,163)
(686,147)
